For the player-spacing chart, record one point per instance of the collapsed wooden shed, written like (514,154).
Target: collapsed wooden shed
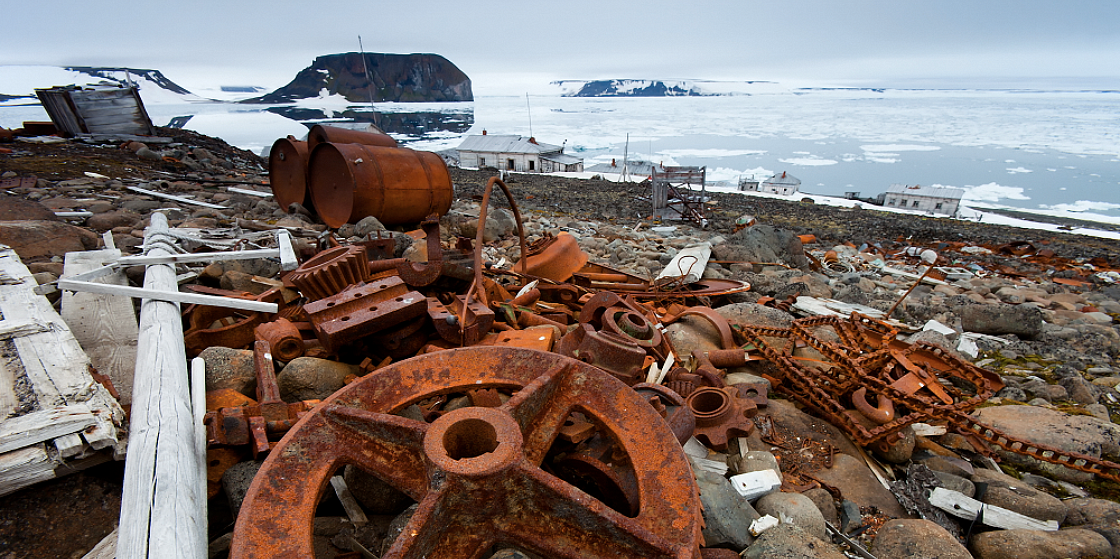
(77,111)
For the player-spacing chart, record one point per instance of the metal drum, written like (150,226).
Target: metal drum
(287,172)
(396,185)
(320,134)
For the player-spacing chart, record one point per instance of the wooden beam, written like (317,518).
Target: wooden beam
(168,296)
(162,502)
(176,198)
(104,324)
(199,257)
(44,425)
(962,506)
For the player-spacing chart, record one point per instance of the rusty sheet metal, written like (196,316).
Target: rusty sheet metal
(420,275)
(398,186)
(362,310)
(478,473)
(217,326)
(287,172)
(554,258)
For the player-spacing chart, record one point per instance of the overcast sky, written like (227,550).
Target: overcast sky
(499,43)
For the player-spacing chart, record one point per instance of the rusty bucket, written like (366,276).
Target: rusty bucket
(396,185)
(287,172)
(320,134)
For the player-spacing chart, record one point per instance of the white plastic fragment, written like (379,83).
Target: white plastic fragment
(763,524)
(752,485)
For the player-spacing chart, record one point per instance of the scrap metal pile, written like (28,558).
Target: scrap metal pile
(499,400)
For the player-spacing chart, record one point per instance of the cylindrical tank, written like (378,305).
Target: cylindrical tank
(320,134)
(396,185)
(287,172)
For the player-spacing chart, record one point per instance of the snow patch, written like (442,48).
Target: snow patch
(993,192)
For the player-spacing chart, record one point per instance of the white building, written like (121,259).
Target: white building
(930,199)
(783,183)
(516,153)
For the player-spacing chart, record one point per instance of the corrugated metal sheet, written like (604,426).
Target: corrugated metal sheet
(930,191)
(494,143)
(96,111)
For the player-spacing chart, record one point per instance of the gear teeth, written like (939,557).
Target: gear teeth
(331,271)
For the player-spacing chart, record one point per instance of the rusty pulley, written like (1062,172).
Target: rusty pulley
(480,473)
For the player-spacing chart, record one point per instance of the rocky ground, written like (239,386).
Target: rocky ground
(1045,304)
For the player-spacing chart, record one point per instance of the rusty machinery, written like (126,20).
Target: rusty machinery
(559,459)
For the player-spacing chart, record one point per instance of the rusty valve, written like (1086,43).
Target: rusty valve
(477,471)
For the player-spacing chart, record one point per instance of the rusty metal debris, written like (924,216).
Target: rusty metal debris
(483,475)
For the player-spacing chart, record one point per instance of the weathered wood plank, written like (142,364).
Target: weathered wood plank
(24,467)
(106,549)
(182,199)
(349,502)
(105,325)
(9,401)
(43,425)
(687,267)
(69,445)
(962,506)
(162,502)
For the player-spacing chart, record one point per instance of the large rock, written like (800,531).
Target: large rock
(693,333)
(751,314)
(858,484)
(41,239)
(311,378)
(727,515)
(763,243)
(1037,544)
(1088,510)
(1022,320)
(1072,433)
(395,77)
(14,208)
(1014,495)
(787,541)
(230,368)
(798,509)
(917,539)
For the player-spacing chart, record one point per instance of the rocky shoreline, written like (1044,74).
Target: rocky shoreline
(1036,308)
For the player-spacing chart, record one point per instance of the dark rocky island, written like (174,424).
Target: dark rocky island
(392,77)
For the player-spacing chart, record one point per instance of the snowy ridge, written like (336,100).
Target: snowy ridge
(664,88)
(20,83)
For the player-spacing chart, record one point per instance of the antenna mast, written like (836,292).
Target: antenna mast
(369,80)
(530,111)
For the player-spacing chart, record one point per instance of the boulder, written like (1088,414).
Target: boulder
(787,541)
(1022,320)
(1089,510)
(1037,544)
(1072,433)
(763,243)
(860,485)
(230,368)
(311,378)
(751,314)
(917,539)
(42,239)
(727,515)
(1014,495)
(798,509)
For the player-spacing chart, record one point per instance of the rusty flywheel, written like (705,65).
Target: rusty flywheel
(481,474)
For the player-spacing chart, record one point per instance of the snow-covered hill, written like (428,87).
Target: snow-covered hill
(665,88)
(18,83)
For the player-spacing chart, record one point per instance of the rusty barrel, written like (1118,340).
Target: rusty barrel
(287,172)
(396,185)
(321,134)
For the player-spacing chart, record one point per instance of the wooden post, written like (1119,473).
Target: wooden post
(162,506)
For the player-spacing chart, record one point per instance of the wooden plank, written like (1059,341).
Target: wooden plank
(349,503)
(105,325)
(176,198)
(43,425)
(69,445)
(162,511)
(106,549)
(962,506)
(53,360)
(168,296)
(687,267)
(199,257)
(12,329)
(9,400)
(25,467)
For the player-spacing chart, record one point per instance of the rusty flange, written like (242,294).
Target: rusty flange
(477,472)
(610,352)
(331,271)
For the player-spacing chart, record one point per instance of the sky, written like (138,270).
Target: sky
(513,45)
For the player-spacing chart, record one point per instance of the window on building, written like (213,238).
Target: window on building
(915,204)
(890,202)
(531,162)
(509,164)
(481,161)
(937,206)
